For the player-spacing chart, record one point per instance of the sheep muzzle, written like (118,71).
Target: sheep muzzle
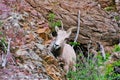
(56,47)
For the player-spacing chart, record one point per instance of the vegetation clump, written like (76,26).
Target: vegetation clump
(89,68)
(52,21)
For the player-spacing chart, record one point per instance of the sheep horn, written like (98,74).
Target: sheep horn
(70,29)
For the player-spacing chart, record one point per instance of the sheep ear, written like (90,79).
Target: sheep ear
(56,29)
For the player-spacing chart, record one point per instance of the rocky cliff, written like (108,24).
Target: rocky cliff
(97,25)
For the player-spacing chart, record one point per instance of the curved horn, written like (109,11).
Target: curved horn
(78,27)
(70,29)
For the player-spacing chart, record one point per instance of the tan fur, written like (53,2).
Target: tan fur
(69,57)
(67,53)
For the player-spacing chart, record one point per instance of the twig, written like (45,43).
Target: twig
(78,29)
(88,48)
(102,51)
(4,61)
(4,57)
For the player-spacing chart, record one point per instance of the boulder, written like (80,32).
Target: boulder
(96,23)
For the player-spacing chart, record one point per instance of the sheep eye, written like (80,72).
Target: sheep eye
(54,33)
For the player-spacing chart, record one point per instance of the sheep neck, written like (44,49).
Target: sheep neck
(59,52)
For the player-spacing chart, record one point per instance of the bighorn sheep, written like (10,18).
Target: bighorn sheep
(64,51)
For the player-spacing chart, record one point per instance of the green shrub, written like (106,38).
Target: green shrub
(1,33)
(109,68)
(3,44)
(86,70)
(109,8)
(109,71)
(1,23)
(57,23)
(52,21)
(89,69)
(74,43)
(51,17)
(116,48)
(117,18)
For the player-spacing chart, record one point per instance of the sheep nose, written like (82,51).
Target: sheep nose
(56,46)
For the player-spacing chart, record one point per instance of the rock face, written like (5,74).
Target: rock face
(96,23)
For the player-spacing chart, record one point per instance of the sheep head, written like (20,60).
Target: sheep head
(62,35)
